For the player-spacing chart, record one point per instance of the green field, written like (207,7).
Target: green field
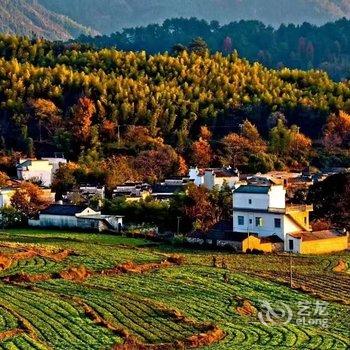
(171,305)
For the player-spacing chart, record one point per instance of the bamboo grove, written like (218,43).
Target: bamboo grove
(171,96)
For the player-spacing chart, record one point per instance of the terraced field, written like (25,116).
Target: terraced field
(60,290)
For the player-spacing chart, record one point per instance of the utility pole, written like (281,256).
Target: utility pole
(178,225)
(118,134)
(291,270)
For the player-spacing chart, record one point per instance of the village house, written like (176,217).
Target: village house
(77,217)
(327,241)
(41,171)
(132,191)
(211,177)
(261,210)
(169,188)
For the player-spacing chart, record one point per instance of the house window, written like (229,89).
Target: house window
(240,220)
(291,244)
(249,201)
(277,223)
(305,220)
(258,222)
(250,221)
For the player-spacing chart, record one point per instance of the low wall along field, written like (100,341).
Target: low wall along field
(62,290)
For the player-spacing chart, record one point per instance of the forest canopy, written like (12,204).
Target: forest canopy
(148,111)
(304,46)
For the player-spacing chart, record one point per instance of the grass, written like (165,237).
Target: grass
(165,305)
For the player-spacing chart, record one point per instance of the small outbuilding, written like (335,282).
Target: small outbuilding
(79,217)
(317,242)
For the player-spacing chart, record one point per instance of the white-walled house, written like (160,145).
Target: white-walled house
(42,170)
(211,177)
(262,209)
(35,170)
(74,216)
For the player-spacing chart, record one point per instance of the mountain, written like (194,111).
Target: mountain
(111,15)
(28,17)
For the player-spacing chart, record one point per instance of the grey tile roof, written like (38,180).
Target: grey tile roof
(252,189)
(64,210)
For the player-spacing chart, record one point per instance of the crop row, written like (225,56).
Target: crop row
(205,296)
(56,322)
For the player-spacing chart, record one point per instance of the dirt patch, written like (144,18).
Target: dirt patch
(342,266)
(6,260)
(28,278)
(245,308)
(77,274)
(131,267)
(10,333)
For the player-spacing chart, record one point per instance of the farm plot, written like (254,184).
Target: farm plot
(169,306)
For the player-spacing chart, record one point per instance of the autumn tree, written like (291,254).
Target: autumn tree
(4,179)
(237,148)
(201,209)
(290,143)
(81,123)
(29,199)
(46,114)
(119,169)
(201,151)
(337,131)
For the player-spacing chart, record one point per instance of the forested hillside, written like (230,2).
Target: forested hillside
(148,113)
(110,15)
(304,47)
(28,17)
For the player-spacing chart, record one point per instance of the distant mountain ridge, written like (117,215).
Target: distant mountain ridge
(28,17)
(65,19)
(108,16)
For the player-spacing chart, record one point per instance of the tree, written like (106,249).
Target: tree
(47,115)
(337,132)
(4,179)
(81,123)
(200,208)
(237,149)
(29,199)
(331,200)
(119,169)
(198,46)
(201,151)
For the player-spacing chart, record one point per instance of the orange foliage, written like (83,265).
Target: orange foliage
(337,132)
(82,118)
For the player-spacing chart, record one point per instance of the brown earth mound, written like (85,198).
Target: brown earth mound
(131,267)
(77,274)
(10,333)
(246,309)
(24,277)
(6,260)
(342,266)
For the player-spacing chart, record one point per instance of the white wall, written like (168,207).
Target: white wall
(5,197)
(277,197)
(259,200)
(57,221)
(194,175)
(268,223)
(296,243)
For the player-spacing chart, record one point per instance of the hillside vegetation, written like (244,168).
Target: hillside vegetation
(76,100)
(303,46)
(28,17)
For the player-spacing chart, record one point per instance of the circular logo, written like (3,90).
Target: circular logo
(279,314)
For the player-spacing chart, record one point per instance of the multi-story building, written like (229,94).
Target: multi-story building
(262,210)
